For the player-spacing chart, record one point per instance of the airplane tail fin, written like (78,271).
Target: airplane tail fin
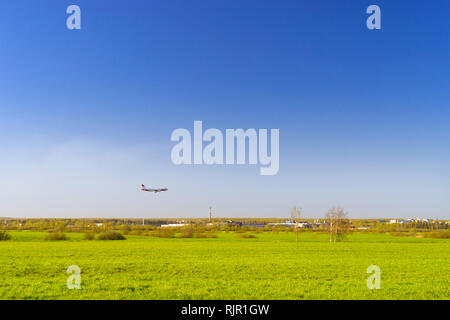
(142,186)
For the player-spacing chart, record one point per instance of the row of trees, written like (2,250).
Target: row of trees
(336,218)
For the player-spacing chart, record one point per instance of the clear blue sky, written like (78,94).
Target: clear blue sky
(86,115)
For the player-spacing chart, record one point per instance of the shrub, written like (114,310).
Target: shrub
(56,236)
(111,235)
(125,228)
(246,236)
(4,236)
(402,234)
(135,232)
(437,235)
(165,233)
(204,235)
(89,236)
(187,233)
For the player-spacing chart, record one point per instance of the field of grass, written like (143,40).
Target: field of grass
(270,266)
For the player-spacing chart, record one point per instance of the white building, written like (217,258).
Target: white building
(174,225)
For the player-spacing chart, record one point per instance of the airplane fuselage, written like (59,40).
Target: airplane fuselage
(154,190)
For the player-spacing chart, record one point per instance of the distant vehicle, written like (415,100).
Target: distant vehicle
(153,190)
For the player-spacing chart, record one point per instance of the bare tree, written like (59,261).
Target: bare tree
(338,223)
(330,220)
(296,215)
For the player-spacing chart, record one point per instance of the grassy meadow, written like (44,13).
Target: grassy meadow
(270,266)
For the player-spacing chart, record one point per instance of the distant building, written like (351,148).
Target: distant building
(398,221)
(292,224)
(304,225)
(231,223)
(174,225)
(254,225)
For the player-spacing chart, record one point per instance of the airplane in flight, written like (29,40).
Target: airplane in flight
(153,190)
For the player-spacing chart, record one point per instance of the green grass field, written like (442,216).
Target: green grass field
(272,266)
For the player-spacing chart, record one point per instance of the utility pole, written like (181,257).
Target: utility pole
(209,214)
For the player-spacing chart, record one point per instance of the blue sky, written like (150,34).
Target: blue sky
(86,115)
